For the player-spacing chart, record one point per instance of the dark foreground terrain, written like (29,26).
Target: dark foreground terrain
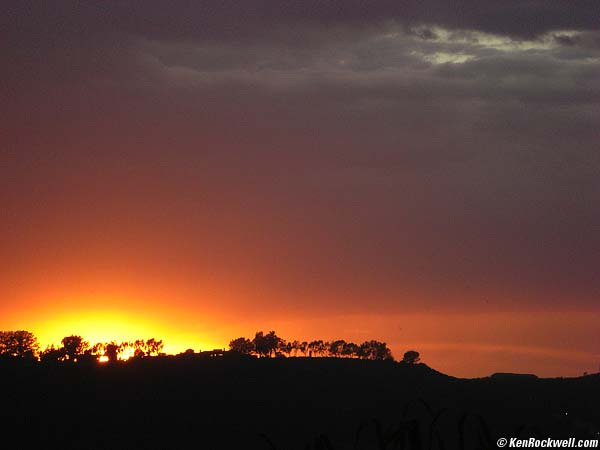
(296,403)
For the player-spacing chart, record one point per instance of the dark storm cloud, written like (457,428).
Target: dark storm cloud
(236,21)
(433,148)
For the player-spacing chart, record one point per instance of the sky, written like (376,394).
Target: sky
(422,172)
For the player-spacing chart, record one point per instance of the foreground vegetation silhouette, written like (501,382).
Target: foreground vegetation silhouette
(266,393)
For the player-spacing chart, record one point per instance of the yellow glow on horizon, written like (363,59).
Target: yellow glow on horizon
(94,326)
(106,325)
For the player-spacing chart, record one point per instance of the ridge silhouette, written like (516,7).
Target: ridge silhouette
(259,399)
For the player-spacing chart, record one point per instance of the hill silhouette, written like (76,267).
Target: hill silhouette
(239,401)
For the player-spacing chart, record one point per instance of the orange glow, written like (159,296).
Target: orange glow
(111,323)
(373,184)
(458,343)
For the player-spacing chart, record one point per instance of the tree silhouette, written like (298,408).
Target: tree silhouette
(411,357)
(139,348)
(74,346)
(286,347)
(153,347)
(18,344)
(315,347)
(350,350)
(111,351)
(124,347)
(52,354)
(295,347)
(336,348)
(303,347)
(260,344)
(97,349)
(266,344)
(241,345)
(375,350)
(274,342)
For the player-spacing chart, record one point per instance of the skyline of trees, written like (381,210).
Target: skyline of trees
(23,344)
(270,345)
(74,348)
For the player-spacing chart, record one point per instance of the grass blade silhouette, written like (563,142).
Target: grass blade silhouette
(439,441)
(461,430)
(265,438)
(484,432)
(432,426)
(379,435)
(323,443)
(358,434)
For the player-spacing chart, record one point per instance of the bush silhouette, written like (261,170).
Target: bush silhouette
(411,357)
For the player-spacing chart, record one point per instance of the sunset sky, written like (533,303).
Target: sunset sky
(422,172)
